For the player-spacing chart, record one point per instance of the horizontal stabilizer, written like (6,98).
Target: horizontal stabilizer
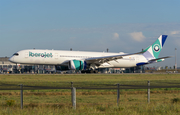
(161,58)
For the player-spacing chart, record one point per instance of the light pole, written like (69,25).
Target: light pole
(175,60)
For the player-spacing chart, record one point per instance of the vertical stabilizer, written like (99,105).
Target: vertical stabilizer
(152,52)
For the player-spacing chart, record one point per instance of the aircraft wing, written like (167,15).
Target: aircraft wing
(103,59)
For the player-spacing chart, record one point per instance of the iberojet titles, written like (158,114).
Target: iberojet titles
(44,55)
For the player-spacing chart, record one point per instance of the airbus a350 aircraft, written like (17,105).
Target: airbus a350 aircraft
(80,60)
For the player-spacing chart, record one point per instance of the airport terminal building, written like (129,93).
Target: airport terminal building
(7,67)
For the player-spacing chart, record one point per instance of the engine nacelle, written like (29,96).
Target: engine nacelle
(62,68)
(77,65)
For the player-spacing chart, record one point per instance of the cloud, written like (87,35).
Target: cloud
(115,36)
(175,32)
(137,36)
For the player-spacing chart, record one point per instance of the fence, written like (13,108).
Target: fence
(117,86)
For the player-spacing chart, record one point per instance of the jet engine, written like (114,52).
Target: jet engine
(77,65)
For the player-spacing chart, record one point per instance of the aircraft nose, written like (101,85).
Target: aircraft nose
(11,59)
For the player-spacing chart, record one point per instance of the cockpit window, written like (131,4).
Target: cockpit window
(15,54)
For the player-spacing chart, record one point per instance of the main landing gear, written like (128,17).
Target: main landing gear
(89,71)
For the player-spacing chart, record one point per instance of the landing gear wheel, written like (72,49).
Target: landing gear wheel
(91,71)
(95,71)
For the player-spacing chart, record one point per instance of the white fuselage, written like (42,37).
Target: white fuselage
(59,57)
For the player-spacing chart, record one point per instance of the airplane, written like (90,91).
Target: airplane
(85,61)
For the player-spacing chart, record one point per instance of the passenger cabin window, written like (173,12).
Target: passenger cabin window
(15,54)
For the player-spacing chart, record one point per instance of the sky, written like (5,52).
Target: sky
(95,25)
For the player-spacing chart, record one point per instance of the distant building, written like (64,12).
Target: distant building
(7,67)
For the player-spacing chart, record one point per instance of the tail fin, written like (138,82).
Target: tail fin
(152,52)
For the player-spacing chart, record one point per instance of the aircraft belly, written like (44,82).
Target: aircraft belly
(123,63)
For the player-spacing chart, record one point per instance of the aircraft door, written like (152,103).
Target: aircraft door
(137,59)
(26,55)
(56,55)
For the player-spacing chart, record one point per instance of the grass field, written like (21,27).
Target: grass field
(56,101)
